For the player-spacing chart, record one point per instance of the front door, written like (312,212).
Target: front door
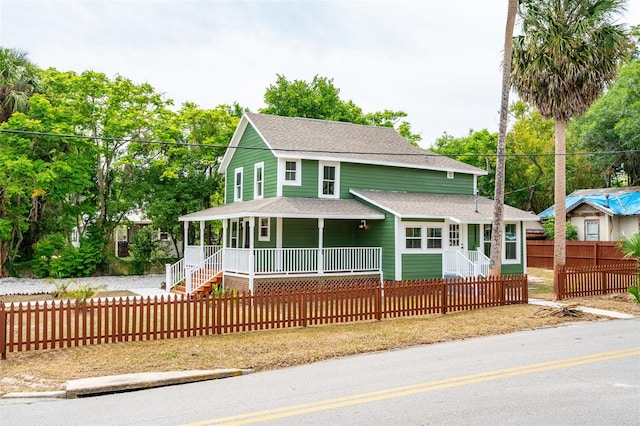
(456,239)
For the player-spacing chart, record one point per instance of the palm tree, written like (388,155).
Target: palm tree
(495,258)
(570,51)
(18,81)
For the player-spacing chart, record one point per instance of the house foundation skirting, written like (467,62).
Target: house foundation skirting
(298,282)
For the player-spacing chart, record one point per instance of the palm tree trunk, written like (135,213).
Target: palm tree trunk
(495,258)
(560,193)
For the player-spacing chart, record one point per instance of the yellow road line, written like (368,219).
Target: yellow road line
(310,407)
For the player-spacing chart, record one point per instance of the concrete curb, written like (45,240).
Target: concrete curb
(129,382)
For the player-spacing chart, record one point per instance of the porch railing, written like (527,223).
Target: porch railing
(465,264)
(272,261)
(176,273)
(196,254)
(203,272)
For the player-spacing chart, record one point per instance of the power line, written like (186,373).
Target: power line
(425,154)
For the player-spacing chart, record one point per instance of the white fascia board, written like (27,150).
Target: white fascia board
(371,216)
(235,140)
(380,206)
(291,154)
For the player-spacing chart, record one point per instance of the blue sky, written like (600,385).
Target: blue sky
(437,60)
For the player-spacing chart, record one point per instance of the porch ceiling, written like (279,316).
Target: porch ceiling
(292,207)
(458,208)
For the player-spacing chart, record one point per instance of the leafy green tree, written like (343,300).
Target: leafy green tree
(466,150)
(549,227)
(320,99)
(612,125)
(18,81)
(569,52)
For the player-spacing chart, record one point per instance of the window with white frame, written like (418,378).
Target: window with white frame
(163,235)
(511,241)
(434,238)
(234,234)
(328,180)
(413,237)
(486,236)
(591,230)
(264,229)
(291,172)
(258,183)
(237,184)
(450,174)
(454,235)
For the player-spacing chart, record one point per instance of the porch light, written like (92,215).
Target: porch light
(363,224)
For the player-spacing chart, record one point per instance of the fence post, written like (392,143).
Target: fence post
(443,302)
(378,302)
(303,309)
(603,282)
(558,281)
(3,331)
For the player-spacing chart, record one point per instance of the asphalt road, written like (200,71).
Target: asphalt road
(582,374)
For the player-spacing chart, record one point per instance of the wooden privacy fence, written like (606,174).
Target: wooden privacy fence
(592,280)
(57,324)
(579,253)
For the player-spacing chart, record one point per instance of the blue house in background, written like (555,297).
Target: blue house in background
(603,214)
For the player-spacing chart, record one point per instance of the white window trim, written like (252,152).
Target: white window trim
(238,197)
(268,236)
(256,167)
(283,171)
(597,222)
(450,174)
(231,237)
(504,244)
(444,229)
(321,166)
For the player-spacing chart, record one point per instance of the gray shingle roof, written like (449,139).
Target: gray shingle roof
(461,208)
(338,141)
(288,207)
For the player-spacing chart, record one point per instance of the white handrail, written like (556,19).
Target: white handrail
(203,272)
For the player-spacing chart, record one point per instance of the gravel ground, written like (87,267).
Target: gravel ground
(35,286)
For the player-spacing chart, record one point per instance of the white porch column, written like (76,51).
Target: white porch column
(320,243)
(186,237)
(225,225)
(252,255)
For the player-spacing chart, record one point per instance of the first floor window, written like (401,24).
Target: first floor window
(487,239)
(234,234)
(591,230)
(510,241)
(263,229)
(434,238)
(413,238)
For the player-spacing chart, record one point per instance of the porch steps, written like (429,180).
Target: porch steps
(203,281)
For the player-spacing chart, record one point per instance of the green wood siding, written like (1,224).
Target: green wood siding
(247,158)
(381,233)
(341,233)
(309,187)
(386,178)
(299,233)
(515,268)
(418,266)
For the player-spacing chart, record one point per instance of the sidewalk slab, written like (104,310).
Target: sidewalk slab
(33,395)
(128,382)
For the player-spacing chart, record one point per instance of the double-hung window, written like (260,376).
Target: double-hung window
(258,183)
(510,241)
(328,180)
(264,229)
(290,172)
(591,230)
(413,238)
(237,184)
(434,238)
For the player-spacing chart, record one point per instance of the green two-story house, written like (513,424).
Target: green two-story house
(308,198)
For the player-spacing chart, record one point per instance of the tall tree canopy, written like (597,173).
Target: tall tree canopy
(570,50)
(320,99)
(612,124)
(18,81)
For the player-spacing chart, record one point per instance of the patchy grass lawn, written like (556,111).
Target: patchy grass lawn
(265,350)
(262,350)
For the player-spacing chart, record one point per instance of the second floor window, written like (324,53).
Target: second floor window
(290,171)
(258,185)
(237,191)
(328,180)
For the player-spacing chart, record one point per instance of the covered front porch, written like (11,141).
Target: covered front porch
(279,238)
